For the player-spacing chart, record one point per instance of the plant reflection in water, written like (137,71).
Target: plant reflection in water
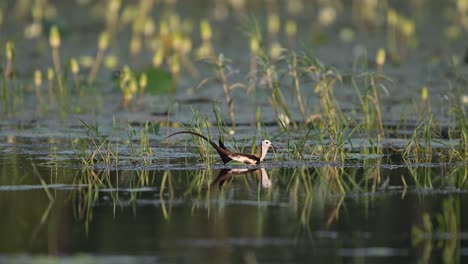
(226,174)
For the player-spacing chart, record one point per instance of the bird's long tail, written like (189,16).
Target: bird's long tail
(221,151)
(196,134)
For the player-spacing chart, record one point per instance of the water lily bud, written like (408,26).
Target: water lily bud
(158,58)
(86,61)
(205,29)
(50,74)
(291,28)
(175,65)
(103,41)
(37,78)
(273,24)
(424,93)
(327,15)
(126,74)
(275,50)
(380,57)
(9,50)
(254,44)
(111,61)
(143,80)
(407,28)
(75,67)
(133,86)
(54,37)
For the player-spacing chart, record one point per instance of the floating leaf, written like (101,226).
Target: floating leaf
(159,81)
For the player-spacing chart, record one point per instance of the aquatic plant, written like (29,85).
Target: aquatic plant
(401,35)
(198,125)
(370,100)
(8,73)
(440,231)
(103,44)
(222,65)
(206,33)
(55,42)
(101,147)
(417,150)
(277,100)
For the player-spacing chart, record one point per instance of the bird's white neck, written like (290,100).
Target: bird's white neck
(264,152)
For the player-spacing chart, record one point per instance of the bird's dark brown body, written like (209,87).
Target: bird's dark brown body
(228,155)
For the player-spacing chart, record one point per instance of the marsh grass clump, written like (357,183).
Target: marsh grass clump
(277,99)
(144,153)
(458,144)
(370,99)
(221,68)
(198,125)
(440,230)
(293,71)
(223,72)
(332,121)
(100,149)
(96,147)
(419,147)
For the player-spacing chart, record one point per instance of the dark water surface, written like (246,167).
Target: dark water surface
(184,216)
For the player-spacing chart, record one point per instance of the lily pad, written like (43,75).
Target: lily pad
(159,81)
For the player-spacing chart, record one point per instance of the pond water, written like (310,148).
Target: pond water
(52,206)
(369,161)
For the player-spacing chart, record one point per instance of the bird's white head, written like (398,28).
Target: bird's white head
(266,144)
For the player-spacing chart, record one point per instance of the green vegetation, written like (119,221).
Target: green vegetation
(304,93)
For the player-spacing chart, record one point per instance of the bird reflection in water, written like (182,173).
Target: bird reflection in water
(226,174)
